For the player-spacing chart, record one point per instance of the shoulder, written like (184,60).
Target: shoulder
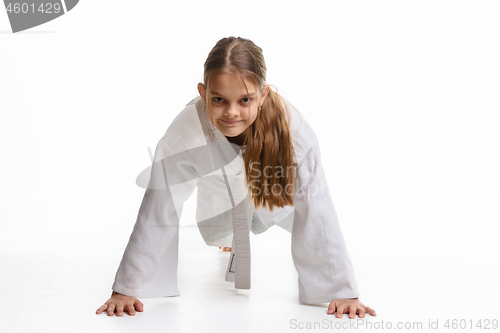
(186,120)
(303,137)
(184,133)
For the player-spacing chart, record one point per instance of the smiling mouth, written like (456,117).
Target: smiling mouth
(230,122)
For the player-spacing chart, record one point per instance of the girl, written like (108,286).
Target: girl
(255,162)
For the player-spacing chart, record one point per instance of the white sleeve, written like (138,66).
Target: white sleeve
(318,247)
(149,264)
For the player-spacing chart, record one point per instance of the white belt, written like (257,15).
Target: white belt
(238,268)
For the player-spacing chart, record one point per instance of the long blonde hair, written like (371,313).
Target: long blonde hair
(269,151)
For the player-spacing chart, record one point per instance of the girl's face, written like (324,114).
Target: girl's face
(232,109)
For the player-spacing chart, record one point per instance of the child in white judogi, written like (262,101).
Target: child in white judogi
(205,148)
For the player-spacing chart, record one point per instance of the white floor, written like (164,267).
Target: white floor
(59,294)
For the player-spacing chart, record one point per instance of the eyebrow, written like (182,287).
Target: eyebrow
(249,95)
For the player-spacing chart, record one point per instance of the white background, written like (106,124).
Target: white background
(403,96)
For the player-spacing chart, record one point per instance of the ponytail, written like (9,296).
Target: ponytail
(269,162)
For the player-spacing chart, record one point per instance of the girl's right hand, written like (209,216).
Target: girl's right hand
(121,303)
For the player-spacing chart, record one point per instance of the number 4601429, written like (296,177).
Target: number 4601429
(47,8)
(484,324)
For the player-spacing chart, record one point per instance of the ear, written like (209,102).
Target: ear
(265,92)
(201,91)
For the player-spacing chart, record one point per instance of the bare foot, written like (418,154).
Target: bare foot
(225,248)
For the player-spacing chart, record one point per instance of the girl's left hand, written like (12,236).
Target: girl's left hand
(351,306)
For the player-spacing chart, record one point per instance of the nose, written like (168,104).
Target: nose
(232,110)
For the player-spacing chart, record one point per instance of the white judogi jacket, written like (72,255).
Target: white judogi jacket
(191,155)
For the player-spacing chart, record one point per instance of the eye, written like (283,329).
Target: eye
(218,99)
(246,100)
